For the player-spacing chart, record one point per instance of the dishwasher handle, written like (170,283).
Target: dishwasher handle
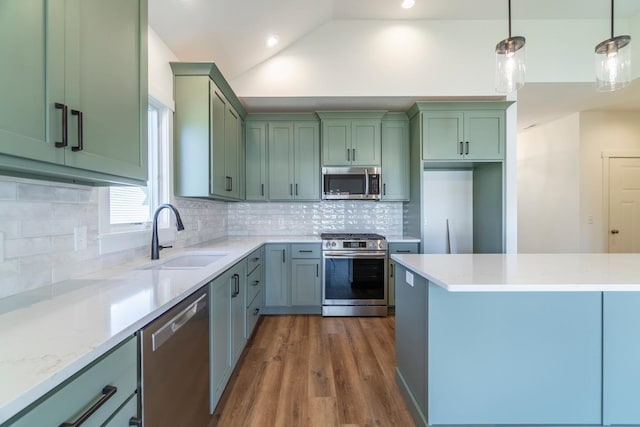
(163,334)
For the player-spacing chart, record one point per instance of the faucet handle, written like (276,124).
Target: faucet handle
(164,247)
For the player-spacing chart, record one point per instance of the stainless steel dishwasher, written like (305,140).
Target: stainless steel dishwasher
(175,365)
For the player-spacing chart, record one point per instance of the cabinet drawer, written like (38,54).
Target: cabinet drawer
(305,250)
(254,284)
(253,314)
(124,416)
(403,248)
(254,259)
(117,369)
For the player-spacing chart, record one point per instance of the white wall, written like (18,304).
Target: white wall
(601,132)
(160,75)
(549,187)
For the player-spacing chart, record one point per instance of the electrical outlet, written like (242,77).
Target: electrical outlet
(408,277)
(79,238)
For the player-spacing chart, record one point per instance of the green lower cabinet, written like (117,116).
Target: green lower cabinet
(293,278)
(220,335)
(114,375)
(621,370)
(238,312)
(396,248)
(306,286)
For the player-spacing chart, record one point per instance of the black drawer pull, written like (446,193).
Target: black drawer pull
(403,251)
(135,421)
(107,393)
(256,259)
(305,251)
(256,311)
(255,283)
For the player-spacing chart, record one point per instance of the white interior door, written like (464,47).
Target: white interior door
(624,205)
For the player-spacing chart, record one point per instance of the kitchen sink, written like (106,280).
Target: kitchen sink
(188,261)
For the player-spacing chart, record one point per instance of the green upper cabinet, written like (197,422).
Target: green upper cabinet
(75,91)
(474,134)
(282,157)
(209,152)
(256,164)
(351,138)
(395,157)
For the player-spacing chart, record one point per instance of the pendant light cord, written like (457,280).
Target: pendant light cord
(509,1)
(612,18)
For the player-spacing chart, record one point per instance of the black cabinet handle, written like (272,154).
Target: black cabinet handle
(317,270)
(353,155)
(305,251)
(384,189)
(107,393)
(390,270)
(255,283)
(348,155)
(236,285)
(296,189)
(256,259)
(467,150)
(403,251)
(283,256)
(228,183)
(461,147)
(291,189)
(256,311)
(135,421)
(262,189)
(64,142)
(80,145)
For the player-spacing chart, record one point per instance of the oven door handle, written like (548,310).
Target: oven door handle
(355,254)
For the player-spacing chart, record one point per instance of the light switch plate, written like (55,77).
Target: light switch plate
(408,277)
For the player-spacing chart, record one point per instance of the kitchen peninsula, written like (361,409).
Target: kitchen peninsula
(519,339)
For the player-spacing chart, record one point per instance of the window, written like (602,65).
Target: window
(129,209)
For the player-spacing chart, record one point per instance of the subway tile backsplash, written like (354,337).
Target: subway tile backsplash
(38,219)
(300,218)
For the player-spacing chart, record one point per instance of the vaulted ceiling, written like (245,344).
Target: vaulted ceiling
(232,33)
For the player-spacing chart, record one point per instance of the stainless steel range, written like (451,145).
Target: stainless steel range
(355,274)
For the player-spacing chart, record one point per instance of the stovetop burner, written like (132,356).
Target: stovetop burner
(351,236)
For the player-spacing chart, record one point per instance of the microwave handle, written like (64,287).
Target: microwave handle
(366,182)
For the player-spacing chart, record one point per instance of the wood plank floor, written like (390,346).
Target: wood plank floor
(312,371)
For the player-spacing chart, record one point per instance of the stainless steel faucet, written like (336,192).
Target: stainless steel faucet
(155,247)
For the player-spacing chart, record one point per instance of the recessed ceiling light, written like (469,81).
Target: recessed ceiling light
(272,40)
(408,4)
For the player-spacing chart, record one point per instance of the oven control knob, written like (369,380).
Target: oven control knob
(333,244)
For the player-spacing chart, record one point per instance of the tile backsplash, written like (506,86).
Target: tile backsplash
(302,218)
(39,219)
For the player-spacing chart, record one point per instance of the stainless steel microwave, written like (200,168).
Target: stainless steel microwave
(343,183)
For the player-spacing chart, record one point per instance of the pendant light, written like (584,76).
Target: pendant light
(510,62)
(613,62)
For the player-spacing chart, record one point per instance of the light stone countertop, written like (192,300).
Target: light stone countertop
(48,335)
(402,239)
(527,272)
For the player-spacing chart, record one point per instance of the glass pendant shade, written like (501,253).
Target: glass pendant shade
(510,64)
(613,63)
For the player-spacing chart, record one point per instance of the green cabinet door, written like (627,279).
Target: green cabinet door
(395,160)
(29,60)
(365,142)
(238,310)
(442,135)
(281,161)
(306,161)
(218,112)
(232,152)
(220,335)
(306,287)
(105,81)
(336,142)
(484,134)
(256,164)
(277,283)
